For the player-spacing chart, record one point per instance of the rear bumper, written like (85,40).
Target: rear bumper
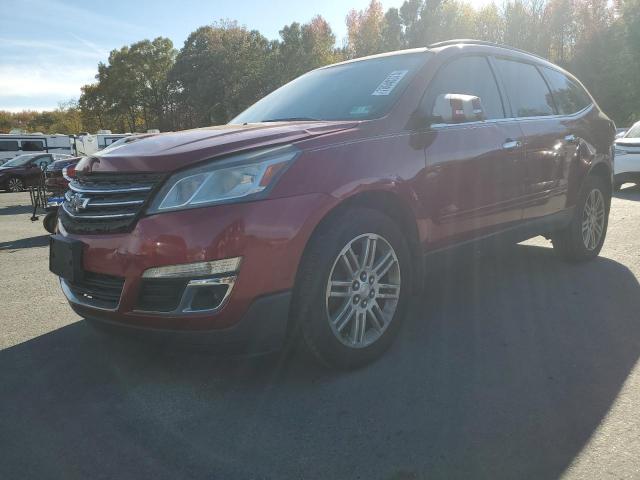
(262,329)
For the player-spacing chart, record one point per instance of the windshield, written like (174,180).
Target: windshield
(633,132)
(116,144)
(359,90)
(19,161)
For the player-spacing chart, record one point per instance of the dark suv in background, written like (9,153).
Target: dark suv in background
(308,216)
(26,170)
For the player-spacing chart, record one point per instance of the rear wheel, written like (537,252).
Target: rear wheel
(15,185)
(583,238)
(352,288)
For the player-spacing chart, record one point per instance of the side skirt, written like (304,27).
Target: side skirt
(515,234)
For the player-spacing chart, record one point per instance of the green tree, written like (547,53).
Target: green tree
(302,48)
(219,72)
(392,31)
(132,90)
(364,30)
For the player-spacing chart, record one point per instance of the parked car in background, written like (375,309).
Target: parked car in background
(308,217)
(627,163)
(25,170)
(620,132)
(61,172)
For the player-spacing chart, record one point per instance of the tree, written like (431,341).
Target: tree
(364,30)
(220,71)
(392,31)
(489,24)
(132,90)
(302,48)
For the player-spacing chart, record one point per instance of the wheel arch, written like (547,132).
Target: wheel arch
(396,208)
(602,170)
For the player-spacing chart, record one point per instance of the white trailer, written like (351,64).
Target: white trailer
(14,144)
(106,138)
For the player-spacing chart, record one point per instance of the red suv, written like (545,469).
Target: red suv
(312,211)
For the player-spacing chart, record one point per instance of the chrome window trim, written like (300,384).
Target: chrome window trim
(438,126)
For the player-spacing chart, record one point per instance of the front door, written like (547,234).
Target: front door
(473,182)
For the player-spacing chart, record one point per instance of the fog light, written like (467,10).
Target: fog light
(198,269)
(207,298)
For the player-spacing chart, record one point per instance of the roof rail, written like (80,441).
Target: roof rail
(471,41)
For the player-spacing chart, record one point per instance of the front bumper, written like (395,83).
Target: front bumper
(262,329)
(269,235)
(627,164)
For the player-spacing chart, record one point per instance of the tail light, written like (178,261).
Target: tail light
(69,173)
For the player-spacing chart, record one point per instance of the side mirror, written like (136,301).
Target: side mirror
(457,108)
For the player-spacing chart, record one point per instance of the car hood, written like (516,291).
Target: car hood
(628,142)
(174,150)
(60,164)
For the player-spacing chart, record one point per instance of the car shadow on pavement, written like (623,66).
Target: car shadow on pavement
(30,242)
(631,192)
(15,210)
(504,368)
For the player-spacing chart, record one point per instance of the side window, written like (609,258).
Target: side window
(570,98)
(32,145)
(527,90)
(468,76)
(43,162)
(8,145)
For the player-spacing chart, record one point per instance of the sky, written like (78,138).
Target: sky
(50,48)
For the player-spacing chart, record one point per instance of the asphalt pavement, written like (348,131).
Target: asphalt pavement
(511,365)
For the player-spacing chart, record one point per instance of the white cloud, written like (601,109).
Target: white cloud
(41,49)
(41,80)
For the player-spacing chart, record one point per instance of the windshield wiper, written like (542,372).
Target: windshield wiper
(292,119)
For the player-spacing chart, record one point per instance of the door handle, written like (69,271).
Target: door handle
(570,138)
(510,144)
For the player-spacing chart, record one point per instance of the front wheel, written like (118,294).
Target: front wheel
(352,288)
(50,221)
(583,238)
(15,185)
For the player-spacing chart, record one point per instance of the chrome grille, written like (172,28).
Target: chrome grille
(98,203)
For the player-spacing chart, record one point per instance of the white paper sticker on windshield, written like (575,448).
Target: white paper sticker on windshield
(389,83)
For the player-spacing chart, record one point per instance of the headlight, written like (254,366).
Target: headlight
(244,176)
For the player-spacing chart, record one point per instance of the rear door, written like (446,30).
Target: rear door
(550,138)
(472,183)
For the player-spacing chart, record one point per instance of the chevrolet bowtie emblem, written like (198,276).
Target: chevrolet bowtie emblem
(78,203)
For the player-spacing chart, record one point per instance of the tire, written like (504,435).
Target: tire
(15,185)
(346,326)
(570,243)
(50,222)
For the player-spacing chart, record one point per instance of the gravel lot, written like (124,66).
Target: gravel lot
(510,366)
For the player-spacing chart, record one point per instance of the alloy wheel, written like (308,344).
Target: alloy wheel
(593,219)
(363,290)
(15,185)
